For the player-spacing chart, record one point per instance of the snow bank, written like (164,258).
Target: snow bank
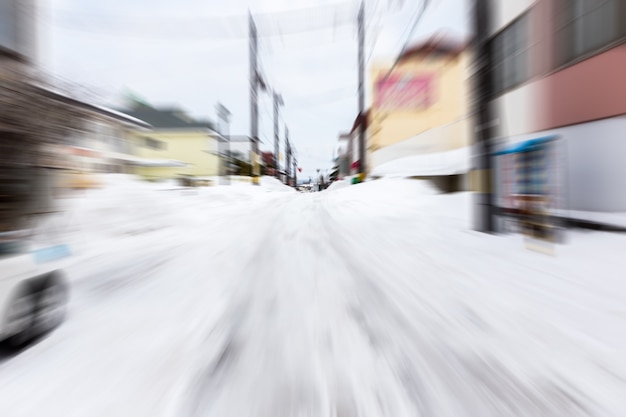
(442,163)
(387,190)
(272,184)
(338,185)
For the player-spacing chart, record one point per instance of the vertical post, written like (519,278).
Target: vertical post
(278,101)
(482,154)
(287,156)
(254,104)
(223,116)
(361,32)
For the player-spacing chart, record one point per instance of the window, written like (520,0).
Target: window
(511,56)
(532,173)
(585,26)
(155,144)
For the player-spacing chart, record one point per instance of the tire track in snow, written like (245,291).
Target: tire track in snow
(422,352)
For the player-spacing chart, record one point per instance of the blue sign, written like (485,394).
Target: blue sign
(52,253)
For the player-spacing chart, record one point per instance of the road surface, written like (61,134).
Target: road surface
(337,303)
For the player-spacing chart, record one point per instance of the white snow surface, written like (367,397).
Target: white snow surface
(452,162)
(338,185)
(372,300)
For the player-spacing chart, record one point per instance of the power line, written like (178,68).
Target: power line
(377,35)
(418,17)
(281,23)
(404,31)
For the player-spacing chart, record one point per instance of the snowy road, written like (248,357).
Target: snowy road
(374,300)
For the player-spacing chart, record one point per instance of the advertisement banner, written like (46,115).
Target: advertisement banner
(405,92)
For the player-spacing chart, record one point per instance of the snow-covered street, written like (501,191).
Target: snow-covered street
(370,300)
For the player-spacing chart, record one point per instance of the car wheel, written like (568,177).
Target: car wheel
(51,304)
(21,318)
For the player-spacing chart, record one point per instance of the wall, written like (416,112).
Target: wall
(505,11)
(194,147)
(18,27)
(242,147)
(441,127)
(518,111)
(439,139)
(592,172)
(592,89)
(450,101)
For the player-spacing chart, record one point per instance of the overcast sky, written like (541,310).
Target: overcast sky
(194,53)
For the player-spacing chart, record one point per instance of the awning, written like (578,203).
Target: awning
(527,146)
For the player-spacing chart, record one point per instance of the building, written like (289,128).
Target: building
(177,147)
(241,147)
(104,145)
(354,145)
(344,155)
(559,107)
(65,133)
(18,30)
(418,123)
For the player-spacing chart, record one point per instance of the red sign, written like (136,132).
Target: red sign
(405,92)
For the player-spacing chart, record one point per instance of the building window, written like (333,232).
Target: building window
(511,56)
(155,144)
(585,26)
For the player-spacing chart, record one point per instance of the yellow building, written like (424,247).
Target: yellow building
(421,107)
(177,147)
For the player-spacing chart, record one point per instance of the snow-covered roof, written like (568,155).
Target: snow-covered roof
(122,116)
(62,95)
(159,163)
(433,164)
(144,162)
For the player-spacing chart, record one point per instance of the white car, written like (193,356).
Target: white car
(33,293)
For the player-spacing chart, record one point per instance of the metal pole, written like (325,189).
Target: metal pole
(362,145)
(287,156)
(223,115)
(278,101)
(254,105)
(482,159)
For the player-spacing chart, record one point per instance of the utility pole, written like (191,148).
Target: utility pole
(223,115)
(361,116)
(287,156)
(278,101)
(482,158)
(254,104)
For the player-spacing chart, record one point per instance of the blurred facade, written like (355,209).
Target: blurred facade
(177,147)
(418,124)
(37,123)
(421,107)
(344,155)
(103,145)
(241,147)
(558,100)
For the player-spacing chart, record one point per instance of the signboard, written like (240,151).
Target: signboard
(405,92)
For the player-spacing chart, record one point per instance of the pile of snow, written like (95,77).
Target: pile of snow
(441,163)
(124,205)
(272,184)
(338,185)
(388,189)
